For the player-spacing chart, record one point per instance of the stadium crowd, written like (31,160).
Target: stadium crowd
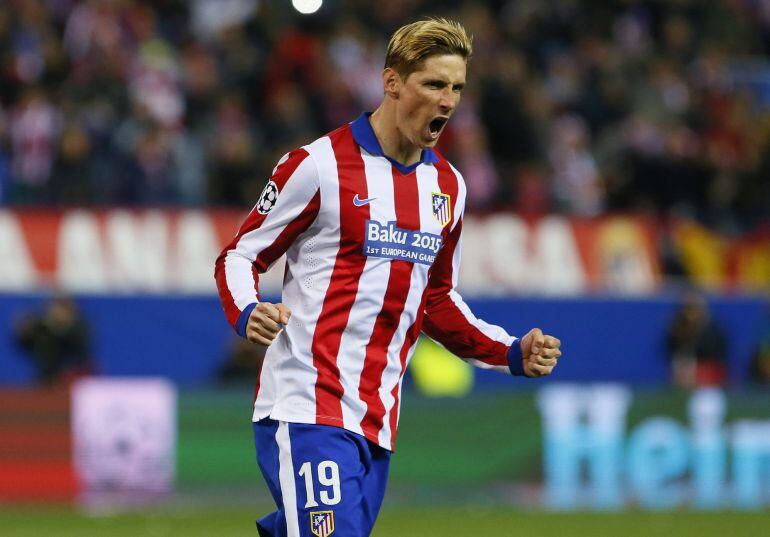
(573,106)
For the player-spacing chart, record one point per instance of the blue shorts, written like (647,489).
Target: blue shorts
(324,480)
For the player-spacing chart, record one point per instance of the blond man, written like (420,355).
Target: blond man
(370,217)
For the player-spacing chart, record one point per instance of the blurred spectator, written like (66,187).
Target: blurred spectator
(571,106)
(34,125)
(577,184)
(232,156)
(57,341)
(759,372)
(760,364)
(5,164)
(696,345)
(243,362)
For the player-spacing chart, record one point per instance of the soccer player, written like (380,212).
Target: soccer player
(370,218)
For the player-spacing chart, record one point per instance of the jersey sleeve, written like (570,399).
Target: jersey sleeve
(450,322)
(288,205)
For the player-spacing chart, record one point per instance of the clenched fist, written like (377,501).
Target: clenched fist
(539,353)
(266,322)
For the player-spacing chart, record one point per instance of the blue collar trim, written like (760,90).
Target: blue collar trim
(364,136)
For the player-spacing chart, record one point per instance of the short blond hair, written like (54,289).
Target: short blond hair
(413,43)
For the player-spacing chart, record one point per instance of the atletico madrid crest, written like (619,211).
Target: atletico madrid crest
(442,209)
(322,523)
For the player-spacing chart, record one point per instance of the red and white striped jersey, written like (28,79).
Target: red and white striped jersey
(372,257)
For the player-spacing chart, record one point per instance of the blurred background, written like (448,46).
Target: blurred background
(617,157)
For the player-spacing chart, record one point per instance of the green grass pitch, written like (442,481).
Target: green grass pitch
(394,522)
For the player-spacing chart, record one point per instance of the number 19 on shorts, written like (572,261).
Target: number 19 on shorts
(328,475)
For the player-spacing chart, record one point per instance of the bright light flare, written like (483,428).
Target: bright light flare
(306,7)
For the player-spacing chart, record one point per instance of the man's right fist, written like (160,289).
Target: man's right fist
(266,322)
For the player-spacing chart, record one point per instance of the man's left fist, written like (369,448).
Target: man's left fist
(539,353)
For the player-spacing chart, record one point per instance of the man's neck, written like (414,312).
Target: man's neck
(393,143)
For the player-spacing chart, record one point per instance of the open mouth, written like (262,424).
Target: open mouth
(436,125)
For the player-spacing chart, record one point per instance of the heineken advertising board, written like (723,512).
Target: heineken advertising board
(557,446)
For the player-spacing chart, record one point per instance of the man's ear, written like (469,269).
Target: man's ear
(391,82)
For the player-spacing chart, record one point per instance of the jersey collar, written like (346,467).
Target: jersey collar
(364,136)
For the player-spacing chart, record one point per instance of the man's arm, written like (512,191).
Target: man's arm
(287,207)
(449,321)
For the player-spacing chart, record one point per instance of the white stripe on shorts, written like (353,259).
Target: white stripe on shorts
(286,477)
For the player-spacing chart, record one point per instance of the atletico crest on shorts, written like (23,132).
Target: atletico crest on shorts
(322,523)
(442,210)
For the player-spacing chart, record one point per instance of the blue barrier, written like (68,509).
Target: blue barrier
(186,338)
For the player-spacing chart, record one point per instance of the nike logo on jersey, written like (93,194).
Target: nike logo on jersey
(359,202)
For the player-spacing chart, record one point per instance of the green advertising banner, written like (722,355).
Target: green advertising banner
(563,447)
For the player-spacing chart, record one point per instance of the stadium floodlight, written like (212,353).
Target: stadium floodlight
(306,7)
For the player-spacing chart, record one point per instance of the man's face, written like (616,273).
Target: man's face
(429,97)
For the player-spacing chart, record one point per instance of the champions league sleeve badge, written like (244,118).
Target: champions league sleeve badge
(322,523)
(442,210)
(268,198)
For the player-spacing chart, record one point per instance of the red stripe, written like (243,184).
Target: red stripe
(447,323)
(289,234)
(228,302)
(441,271)
(343,284)
(280,177)
(411,337)
(258,382)
(446,318)
(440,280)
(448,183)
(255,275)
(406,199)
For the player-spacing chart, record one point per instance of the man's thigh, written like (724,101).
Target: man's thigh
(324,479)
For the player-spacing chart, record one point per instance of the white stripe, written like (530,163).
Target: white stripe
(278,165)
(239,280)
(427,183)
(392,373)
(310,262)
(292,200)
(286,477)
(391,404)
(296,193)
(458,205)
(491,331)
(369,298)
(482,365)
